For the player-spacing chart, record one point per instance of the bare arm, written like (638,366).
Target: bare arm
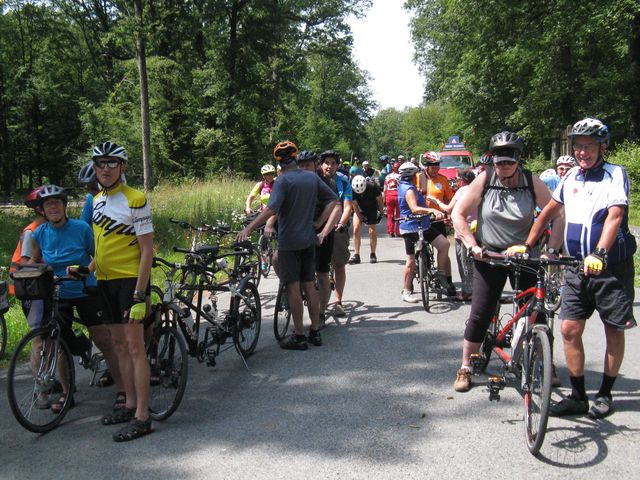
(259,220)
(146,259)
(467,205)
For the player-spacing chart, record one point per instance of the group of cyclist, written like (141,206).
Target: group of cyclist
(313,203)
(113,242)
(494,210)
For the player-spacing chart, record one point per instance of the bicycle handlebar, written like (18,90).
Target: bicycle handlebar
(525,259)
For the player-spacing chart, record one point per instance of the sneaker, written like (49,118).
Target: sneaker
(393,235)
(407,297)
(569,406)
(338,310)
(601,408)
(294,342)
(314,337)
(463,380)
(555,379)
(355,259)
(373,258)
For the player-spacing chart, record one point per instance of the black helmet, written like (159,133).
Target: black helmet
(506,140)
(384,159)
(329,153)
(590,127)
(306,156)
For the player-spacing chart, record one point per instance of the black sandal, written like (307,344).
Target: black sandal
(106,380)
(120,415)
(121,401)
(135,429)
(56,407)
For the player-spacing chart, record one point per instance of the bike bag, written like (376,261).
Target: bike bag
(4,298)
(33,281)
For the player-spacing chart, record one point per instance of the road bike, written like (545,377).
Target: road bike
(521,342)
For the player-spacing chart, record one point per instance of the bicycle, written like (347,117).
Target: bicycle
(4,308)
(526,334)
(427,274)
(267,245)
(241,322)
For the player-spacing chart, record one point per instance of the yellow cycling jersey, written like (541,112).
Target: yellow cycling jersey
(119,217)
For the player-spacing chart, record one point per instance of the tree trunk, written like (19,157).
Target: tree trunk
(144,99)
(634,66)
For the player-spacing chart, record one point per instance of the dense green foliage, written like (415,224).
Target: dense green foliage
(227,80)
(531,67)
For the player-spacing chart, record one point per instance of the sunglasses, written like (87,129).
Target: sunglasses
(110,164)
(563,169)
(505,163)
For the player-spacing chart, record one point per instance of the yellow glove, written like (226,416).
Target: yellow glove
(593,263)
(473,226)
(517,249)
(138,311)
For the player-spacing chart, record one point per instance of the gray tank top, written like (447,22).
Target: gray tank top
(505,215)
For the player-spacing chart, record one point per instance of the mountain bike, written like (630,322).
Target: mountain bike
(240,323)
(267,246)
(526,335)
(4,308)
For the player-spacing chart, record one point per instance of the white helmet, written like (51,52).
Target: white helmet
(566,160)
(359,184)
(408,169)
(87,174)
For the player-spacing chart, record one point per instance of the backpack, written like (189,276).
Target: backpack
(527,175)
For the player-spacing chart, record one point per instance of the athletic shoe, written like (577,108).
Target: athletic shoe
(354,260)
(294,342)
(314,337)
(407,297)
(601,408)
(569,406)
(338,310)
(373,258)
(463,380)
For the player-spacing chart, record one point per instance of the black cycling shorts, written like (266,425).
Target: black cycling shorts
(91,309)
(370,215)
(323,254)
(118,295)
(297,265)
(410,239)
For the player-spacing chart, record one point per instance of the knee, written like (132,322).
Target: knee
(570,333)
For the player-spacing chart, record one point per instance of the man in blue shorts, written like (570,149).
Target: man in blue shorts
(294,198)
(595,198)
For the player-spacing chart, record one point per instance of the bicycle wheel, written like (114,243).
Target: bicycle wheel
(264,244)
(34,381)
(3,336)
(553,291)
(423,277)
(282,314)
(537,392)
(169,366)
(248,314)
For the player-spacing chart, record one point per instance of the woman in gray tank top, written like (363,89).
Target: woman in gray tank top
(505,198)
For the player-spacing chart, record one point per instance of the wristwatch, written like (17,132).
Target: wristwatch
(139,295)
(553,251)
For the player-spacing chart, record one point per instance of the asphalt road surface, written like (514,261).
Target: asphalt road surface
(374,401)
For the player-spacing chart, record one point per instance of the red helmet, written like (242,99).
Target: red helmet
(431,158)
(32,200)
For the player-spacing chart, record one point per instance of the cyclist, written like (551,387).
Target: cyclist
(385,168)
(356,168)
(391,182)
(411,201)
(504,198)
(437,190)
(87,177)
(344,167)
(595,198)
(485,162)
(368,208)
(262,188)
(564,164)
(63,242)
(550,178)
(307,161)
(123,233)
(23,253)
(465,264)
(368,171)
(294,198)
(341,186)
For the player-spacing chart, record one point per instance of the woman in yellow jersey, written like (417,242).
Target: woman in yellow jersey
(262,188)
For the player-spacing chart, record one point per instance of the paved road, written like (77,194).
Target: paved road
(375,401)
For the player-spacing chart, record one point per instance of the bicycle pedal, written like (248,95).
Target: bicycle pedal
(476,363)
(495,384)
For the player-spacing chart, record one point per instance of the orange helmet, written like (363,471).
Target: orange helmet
(285,150)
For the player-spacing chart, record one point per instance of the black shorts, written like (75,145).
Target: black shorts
(610,293)
(439,227)
(410,239)
(297,265)
(370,215)
(323,254)
(118,295)
(91,309)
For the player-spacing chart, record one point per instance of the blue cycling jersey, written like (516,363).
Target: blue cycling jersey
(87,210)
(345,192)
(410,226)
